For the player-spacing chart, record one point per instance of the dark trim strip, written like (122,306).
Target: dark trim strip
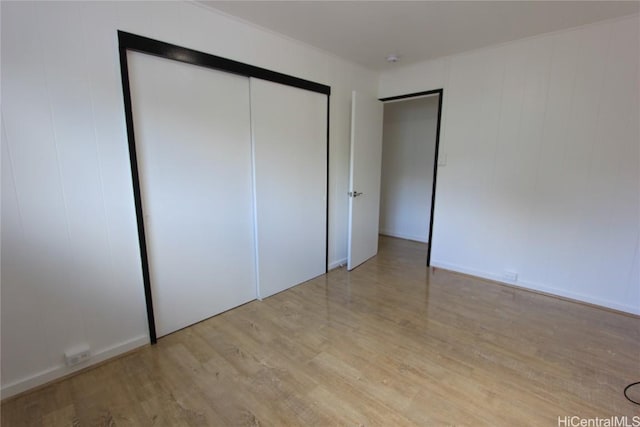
(177,53)
(435,177)
(327,194)
(128,41)
(439,92)
(412,95)
(135,177)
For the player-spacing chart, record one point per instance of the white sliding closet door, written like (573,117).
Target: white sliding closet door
(290,159)
(193,137)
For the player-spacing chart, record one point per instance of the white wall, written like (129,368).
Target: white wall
(70,260)
(542,176)
(408,150)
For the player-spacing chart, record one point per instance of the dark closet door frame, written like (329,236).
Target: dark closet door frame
(135,43)
(439,92)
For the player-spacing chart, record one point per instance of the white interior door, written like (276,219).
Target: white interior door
(364,178)
(289,128)
(193,138)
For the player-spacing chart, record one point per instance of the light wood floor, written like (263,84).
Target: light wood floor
(391,343)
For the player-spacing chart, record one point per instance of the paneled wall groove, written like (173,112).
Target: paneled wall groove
(91,90)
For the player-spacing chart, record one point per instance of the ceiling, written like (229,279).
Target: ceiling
(367,32)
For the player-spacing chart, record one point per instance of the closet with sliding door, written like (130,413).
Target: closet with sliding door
(229,168)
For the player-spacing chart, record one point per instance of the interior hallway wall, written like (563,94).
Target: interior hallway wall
(408,153)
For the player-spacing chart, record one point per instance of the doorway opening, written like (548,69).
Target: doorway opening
(411,139)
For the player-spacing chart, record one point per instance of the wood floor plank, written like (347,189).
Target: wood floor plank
(390,343)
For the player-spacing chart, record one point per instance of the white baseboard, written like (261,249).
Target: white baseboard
(413,237)
(337,264)
(538,287)
(60,371)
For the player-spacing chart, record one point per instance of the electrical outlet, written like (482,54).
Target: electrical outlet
(77,355)
(510,276)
